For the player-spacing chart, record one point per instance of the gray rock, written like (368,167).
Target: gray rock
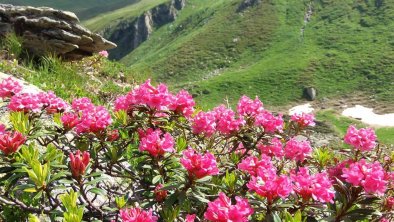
(47,30)
(247,3)
(310,93)
(128,34)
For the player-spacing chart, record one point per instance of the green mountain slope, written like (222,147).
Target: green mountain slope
(83,8)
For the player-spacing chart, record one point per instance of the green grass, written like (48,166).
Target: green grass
(217,53)
(85,9)
(340,125)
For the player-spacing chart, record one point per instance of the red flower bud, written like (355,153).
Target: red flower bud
(10,143)
(79,163)
(160,195)
(112,135)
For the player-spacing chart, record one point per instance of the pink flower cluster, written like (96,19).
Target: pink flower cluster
(137,215)
(253,165)
(318,186)
(226,121)
(199,165)
(253,110)
(363,139)
(273,149)
(220,119)
(221,209)
(269,122)
(86,118)
(269,185)
(103,53)
(156,142)
(249,107)
(371,176)
(264,180)
(158,98)
(297,150)
(9,87)
(35,102)
(303,119)
(204,123)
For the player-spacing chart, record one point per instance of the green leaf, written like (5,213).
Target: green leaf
(98,191)
(156,179)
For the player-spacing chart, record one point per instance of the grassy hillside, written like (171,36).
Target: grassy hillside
(84,9)
(217,52)
(129,12)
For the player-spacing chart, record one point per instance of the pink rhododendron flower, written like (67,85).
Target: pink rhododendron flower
(249,107)
(69,120)
(304,119)
(103,53)
(137,215)
(362,139)
(221,210)
(318,186)
(269,185)
(79,163)
(204,123)
(9,87)
(297,150)
(371,176)
(269,122)
(93,120)
(252,165)
(2,129)
(156,143)
(275,148)
(190,218)
(199,165)
(183,103)
(336,170)
(225,120)
(160,195)
(10,142)
(155,97)
(82,104)
(51,103)
(25,102)
(121,103)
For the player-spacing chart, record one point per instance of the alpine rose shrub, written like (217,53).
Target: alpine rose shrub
(150,156)
(362,139)
(9,87)
(221,209)
(303,119)
(156,142)
(371,176)
(297,150)
(199,165)
(318,186)
(273,149)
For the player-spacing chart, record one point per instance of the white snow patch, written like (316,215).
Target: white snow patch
(306,108)
(366,115)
